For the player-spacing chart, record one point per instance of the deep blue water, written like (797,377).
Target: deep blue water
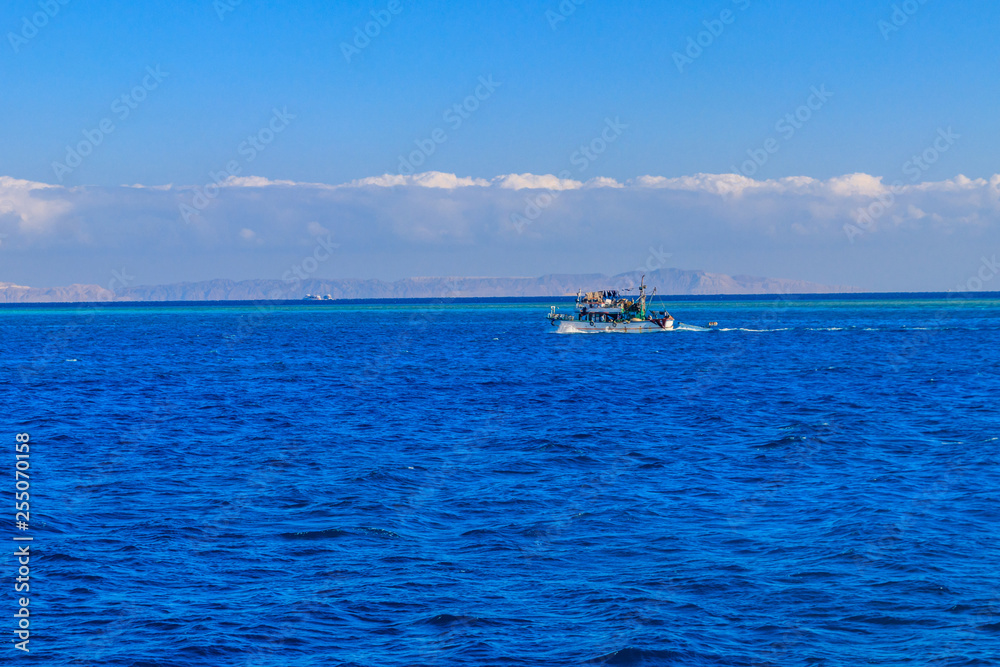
(817,483)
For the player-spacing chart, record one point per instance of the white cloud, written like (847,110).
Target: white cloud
(602,182)
(34,206)
(535,182)
(317,229)
(438,223)
(711,183)
(857,184)
(255,182)
(429,179)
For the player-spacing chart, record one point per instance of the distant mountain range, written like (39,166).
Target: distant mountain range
(11,293)
(666,281)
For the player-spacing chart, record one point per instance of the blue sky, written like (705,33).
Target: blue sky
(225,67)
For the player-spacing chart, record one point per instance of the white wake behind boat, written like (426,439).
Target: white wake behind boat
(642,326)
(610,312)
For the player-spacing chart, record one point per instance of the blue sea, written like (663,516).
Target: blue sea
(817,482)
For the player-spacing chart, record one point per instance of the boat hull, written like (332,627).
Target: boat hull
(575,326)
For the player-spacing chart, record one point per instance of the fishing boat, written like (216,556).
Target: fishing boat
(609,311)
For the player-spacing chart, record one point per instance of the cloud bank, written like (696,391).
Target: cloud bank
(852,229)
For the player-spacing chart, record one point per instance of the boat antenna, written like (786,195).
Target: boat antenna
(642,296)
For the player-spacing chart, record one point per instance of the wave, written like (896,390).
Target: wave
(340,532)
(640,656)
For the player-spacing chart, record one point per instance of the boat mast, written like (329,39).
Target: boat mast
(642,296)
